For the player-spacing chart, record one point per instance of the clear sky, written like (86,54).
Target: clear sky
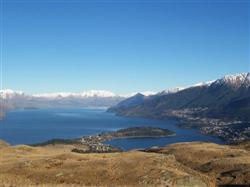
(122,46)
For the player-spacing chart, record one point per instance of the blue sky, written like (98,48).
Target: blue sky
(122,46)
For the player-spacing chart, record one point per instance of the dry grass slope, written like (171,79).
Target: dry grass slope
(228,164)
(58,166)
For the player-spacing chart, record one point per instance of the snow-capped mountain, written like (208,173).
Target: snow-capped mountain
(210,90)
(148,93)
(8,94)
(92,98)
(236,80)
(207,83)
(177,89)
(171,90)
(145,93)
(228,96)
(85,94)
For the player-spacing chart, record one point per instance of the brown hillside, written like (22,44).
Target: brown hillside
(228,164)
(57,165)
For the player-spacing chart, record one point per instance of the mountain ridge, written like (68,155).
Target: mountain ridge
(220,108)
(213,94)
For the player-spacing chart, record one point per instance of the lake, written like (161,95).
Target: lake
(33,126)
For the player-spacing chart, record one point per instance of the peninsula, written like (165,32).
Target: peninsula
(96,143)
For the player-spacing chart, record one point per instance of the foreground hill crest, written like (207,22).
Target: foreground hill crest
(194,164)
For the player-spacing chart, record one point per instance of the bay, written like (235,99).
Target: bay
(29,126)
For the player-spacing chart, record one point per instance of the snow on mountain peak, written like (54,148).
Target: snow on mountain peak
(148,93)
(171,90)
(235,77)
(177,89)
(8,93)
(98,93)
(235,80)
(207,83)
(85,94)
(145,93)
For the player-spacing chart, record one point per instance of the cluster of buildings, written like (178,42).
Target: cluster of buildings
(231,131)
(95,145)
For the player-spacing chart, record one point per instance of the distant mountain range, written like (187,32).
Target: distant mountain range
(227,97)
(93,98)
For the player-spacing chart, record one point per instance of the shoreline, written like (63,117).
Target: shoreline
(97,143)
(178,120)
(215,127)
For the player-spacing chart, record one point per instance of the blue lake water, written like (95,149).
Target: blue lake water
(34,126)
